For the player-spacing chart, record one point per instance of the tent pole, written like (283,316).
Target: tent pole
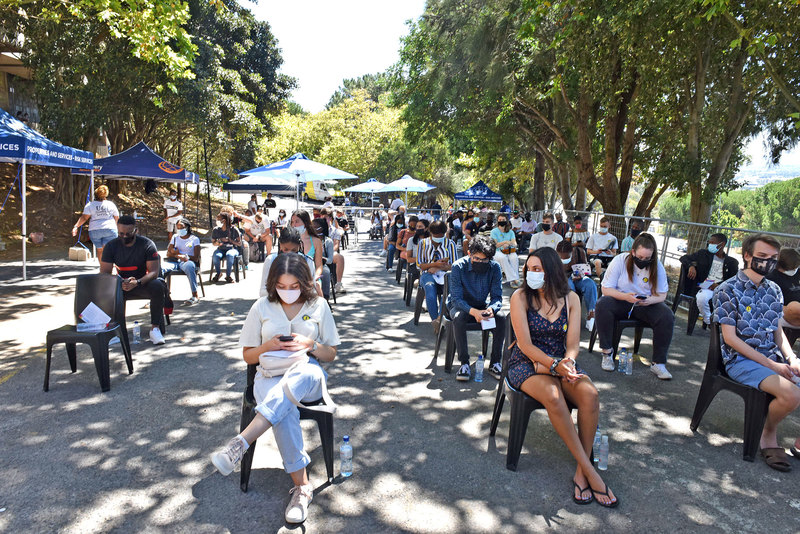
(208,186)
(91,191)
(297,191)
(24,221)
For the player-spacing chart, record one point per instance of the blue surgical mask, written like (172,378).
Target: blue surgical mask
(534,279)
(182,232)
(713,248)
(437,239)
(603,230)
(301,229)
(566,261)
(401,226)
(476,219)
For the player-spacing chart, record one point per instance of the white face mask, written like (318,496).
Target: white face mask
(289,296)
(602,230)
(173,197)
(566,261)
(534,279)
(791,273)
(301,229)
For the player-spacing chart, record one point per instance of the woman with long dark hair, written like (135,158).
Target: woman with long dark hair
(635,288)
(546,317)
(312,244)
(291,309)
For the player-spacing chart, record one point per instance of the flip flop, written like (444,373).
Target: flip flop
(776,458)
(795,452)
(580,491)
(612,504)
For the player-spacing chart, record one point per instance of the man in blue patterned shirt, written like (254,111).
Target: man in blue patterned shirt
(476,295)
(748,308)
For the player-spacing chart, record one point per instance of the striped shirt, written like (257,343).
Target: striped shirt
(428,251)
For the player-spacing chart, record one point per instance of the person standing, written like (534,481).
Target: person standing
(705,270)
(173,211)
(138,264)
(102,215)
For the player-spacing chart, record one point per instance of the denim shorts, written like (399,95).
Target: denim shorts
(101,237)
(747,372)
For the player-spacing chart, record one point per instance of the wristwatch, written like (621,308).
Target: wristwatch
(314,347)
(138,282)
(554,366)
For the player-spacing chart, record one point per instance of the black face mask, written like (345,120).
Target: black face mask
(527,219)
(642,264)
(545,227)
(128,239)
(763,266)
(502,223)
(481,267)
(635,233)
(420,232)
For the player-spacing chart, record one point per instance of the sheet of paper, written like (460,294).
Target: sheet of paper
(488,324)
(705,285)
(93,314)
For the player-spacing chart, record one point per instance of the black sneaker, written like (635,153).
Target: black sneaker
(463,373)
(496,370)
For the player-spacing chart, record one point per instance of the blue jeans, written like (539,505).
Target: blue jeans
(230,257)
(100,238)
(432,293)
(390,252)
(188,268)
(586,289)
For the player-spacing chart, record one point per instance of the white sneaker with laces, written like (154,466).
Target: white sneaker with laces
(660,370)
(297,511)
(590,324)
(608,361)
(156,337)
(382,254)
(339,288)
(226,459)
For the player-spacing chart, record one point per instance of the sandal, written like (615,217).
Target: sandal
(776,458)
(795,452)
(612,504)
(581,490)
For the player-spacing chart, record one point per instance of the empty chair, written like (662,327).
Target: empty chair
(105,291)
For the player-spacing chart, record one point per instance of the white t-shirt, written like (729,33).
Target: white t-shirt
(262,290)
(528,226)
(267,319)
(396,203)
(328,204)
(600,241)
(544,240)
(516,223)
(252,206)
(715,273)
(185,246)
(102,213)
(616,277)
(173,207)
(258,228)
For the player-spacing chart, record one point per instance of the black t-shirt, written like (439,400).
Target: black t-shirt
(790,285)
(132,260)
(231,233)
(270,203)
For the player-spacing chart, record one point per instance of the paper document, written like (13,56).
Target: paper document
(438,277)
(706,285)
(488,324)
(93,314)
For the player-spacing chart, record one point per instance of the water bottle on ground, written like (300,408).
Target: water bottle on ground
(479,368)
(602,465)
(346,457)
(137,333)
(596,445)
(622,364)
(629,365)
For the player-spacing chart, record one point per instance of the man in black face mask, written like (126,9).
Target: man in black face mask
(749,308)
(138,264)
(476,295)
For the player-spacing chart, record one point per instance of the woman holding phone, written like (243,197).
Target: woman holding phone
(546,317)
(291,318)
(635,286)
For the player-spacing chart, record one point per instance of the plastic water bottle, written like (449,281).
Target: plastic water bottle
(629,365)
(479,368)
(137,333)
(134,214)
(596,445)
(623,360)
(602,465)
(346,457)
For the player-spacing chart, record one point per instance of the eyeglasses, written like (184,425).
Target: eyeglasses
(477,260)
(126,234)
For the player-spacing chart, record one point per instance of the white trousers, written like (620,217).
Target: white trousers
(704,303)
(509,264)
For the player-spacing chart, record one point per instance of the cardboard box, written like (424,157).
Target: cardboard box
(79,254)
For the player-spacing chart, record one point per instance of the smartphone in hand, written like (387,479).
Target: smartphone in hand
(641,297)
(286,339)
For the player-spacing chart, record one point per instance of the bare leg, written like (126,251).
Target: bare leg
(338,260)
(300,478)
(258,426)
(598,267)
(791,313)
(787,399)
(99,254)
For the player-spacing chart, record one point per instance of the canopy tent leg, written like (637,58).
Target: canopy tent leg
(24,221)
(91,193)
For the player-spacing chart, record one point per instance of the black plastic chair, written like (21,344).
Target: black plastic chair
(715,379)
(239,262)
(332,268)
(522,406)
(177,272)
(412,275)
(682,295)
(324,422)
(105,290)
(619,326)
(401,263)
(421,300)
(447,334)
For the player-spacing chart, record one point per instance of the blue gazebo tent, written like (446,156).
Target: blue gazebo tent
(139,162)
(21,144)
(479,192)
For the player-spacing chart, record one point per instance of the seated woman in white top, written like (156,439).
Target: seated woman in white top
(293,319)
(635,286)
(289,242)
(183,253)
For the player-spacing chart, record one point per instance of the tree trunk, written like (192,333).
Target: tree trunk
(538,183)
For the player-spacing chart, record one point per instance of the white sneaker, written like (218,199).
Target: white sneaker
(226,459)
(191,302)
(382,254)
(156,337)
(113,341)
(660,370)
(297,511)
(339,288)
(608,362)
(590,324)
